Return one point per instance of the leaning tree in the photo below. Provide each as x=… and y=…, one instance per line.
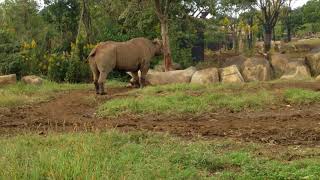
x=162, y=11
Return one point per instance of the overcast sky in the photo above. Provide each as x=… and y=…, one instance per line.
x=297, y=3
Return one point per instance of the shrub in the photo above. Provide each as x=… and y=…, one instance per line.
x=11, y=61
x=12, y=64
x=77, y=71
x=57, y=67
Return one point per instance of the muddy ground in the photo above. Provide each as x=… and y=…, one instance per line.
x=71, y=112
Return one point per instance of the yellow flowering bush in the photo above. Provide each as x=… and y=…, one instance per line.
x=31, y=56
x=57, y=66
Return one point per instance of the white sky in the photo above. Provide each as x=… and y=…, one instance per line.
x=296, y=3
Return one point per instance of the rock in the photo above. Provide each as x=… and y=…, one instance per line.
x=231, y=74
x=297, y=70
x=303, y=47
x=318, y=78
x=160, y=67
x=205, y=76
x=259, y=45
x=277, y=45
x=313, y=61
x=236, y=60
x=257, y=69
x=170, y=77
x=34, y=80
x=289, y=48
x=8, y=79
x=280, y=64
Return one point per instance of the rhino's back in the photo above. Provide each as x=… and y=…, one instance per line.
x=131, y=54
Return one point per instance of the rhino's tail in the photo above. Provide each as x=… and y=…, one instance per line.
x=93, y=52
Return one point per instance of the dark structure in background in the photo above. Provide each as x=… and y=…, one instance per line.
x=198, y=47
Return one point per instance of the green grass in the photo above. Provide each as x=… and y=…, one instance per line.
x=21, y=94
x=186, y=98
x=301, y=96
x=178, y=99
x=115, y=155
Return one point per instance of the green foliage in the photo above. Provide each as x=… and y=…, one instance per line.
x=11, y=61
x=57, y=67
x=311, y=11
x=12, y=64
x=77, y=71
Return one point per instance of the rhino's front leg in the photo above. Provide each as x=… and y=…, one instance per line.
x=135, y=80
x=144, y=71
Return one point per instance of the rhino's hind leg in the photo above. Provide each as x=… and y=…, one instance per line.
x=95, y=81
x=95, y=74
x=101, y=81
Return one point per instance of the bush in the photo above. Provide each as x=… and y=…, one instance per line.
x=12, y=64
x=57, y=67
x=11, y=61
x=77, y=71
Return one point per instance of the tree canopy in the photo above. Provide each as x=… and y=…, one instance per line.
x=64, y=31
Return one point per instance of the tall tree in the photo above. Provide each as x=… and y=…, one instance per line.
x=287, y=11
x=162, y=8
x=270, y=11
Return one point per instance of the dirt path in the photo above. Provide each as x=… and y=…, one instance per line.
x=72, y=112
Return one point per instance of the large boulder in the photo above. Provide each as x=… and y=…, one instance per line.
x=297, y=70
x=231, y=74
x=256, y=69
x=161, y=68
x=259, y=45
x=277, y=45
x=235, y=60
x=8, y=79
x=279, y=63
x=206, y=76
x=171, y=77
x=34, y=80
x=288, y=48
x=313, y=61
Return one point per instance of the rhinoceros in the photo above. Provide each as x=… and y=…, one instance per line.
x=130, y=56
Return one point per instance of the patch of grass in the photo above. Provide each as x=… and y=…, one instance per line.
x=115, y=83
x=301, y=96
x=115, y=155
x=20, y=93
x=179, y=99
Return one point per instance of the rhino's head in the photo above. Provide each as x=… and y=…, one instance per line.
x=158, y=45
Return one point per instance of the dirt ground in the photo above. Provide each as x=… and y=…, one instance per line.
x=70, y=112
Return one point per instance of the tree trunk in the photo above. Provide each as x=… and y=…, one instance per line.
x=166, y=45
x=267, y=39
x=289, y=35
x=161, y=8
x=250, y=34
x=273, y=34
